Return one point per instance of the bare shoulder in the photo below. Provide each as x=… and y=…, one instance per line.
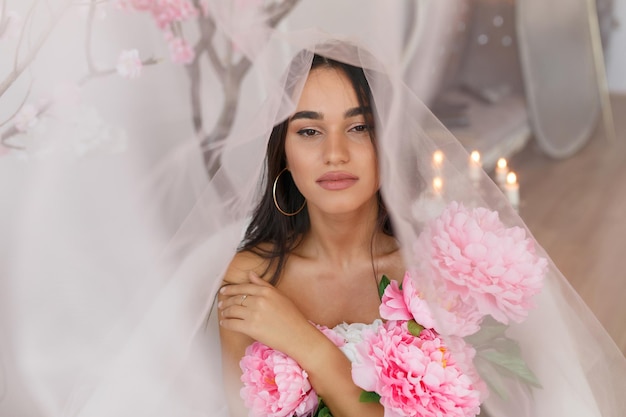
x=242, y=264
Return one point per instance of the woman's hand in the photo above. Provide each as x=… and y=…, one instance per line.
x=262, y=312
x=258, y=311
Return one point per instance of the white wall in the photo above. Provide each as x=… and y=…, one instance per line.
x=616, y=55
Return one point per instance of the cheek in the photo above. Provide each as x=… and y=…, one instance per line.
x=298, y=164
x=371, y=163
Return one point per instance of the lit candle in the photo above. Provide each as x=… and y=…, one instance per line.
x=437, y=185
x=437, y=159
x=501, y=171
x=511, y=189
x=475, y=166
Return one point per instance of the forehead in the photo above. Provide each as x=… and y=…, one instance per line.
x=327, y=89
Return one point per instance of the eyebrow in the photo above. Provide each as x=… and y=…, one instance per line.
x=307, y=114
x=357, y=111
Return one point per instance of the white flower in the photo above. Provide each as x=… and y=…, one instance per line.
x=129, y=64
x=26, y=118
x=353, y=335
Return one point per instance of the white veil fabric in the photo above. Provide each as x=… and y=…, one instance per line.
x=115, y=243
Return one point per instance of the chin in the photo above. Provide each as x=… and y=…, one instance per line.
x=343, y=207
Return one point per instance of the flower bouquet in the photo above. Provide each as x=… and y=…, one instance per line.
x=478, y=274
x=409, y=368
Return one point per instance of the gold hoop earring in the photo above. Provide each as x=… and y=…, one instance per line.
x=276, y=201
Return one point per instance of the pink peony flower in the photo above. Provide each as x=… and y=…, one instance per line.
x=480, y=265
x=274, y=385
x=447, y=316
x=334, y=337
x=464, y=355
x=405, y=304
x=413, y=375
x=129, y=64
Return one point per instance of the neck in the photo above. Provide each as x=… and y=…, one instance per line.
x=341, y=239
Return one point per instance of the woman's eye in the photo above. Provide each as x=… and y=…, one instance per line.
x=361, y=128
x=307, y=132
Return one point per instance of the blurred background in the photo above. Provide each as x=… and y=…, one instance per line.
x=541, y=84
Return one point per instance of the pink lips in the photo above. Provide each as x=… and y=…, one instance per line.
x=337, y=180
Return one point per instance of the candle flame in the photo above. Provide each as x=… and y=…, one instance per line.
x=438, y=157
x=475, y=156
x=501, y=163
x=511, y=178
x=437, y=184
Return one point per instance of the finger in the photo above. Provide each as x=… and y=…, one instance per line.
x=234, y=300
x=235, y=325
x=234, y=312
x=240, y=289
x=257, y=280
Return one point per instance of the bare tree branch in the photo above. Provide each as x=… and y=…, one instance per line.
x=193, y=71
x=21, y=66
x=20, y=106
x=277, y=11
x=4, y=20
x=22, y=32
x=207, y=30
x=12, y=131
x=231, y=77
x=50, y=9
x=91, y=67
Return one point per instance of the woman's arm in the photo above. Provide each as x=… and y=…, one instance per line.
x=234, y=343
x=270, y=317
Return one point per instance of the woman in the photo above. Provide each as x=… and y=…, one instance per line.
x=337, y=244
x=320, y=240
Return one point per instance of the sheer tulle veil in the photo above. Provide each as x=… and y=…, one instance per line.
x=112, y=258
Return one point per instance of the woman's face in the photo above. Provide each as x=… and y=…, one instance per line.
x=329, y=151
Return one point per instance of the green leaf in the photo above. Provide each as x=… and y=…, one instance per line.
x=369, y=397
x=498, y=357
x=513, y=364
x=384, y=282
x=322, y=410
x=492, y=378
x=414, y=328
x=489, y=331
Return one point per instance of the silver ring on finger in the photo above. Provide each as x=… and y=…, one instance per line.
x=243, y=298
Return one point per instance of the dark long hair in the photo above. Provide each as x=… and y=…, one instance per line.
x=273, y=235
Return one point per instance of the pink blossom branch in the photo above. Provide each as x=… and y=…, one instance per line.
x=12, y=131
x=93, y=72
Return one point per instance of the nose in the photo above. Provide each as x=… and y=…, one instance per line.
x=336, y=149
